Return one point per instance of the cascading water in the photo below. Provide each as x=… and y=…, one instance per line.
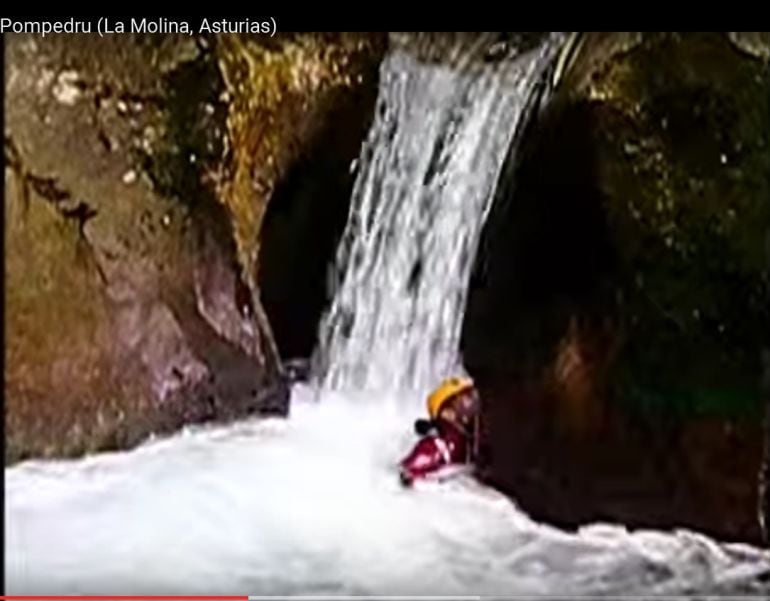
x=312, y=505
x=426, y=178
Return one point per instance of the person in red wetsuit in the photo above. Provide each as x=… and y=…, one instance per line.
x=449, y=436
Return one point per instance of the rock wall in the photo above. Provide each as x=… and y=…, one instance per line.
x=322, y=115
x=122, y=283
x=619, y=306
x=138, y=173
x=138, y=169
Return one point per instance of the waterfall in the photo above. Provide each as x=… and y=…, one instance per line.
x=426, y=177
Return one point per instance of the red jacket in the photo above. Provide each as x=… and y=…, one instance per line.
x=445, y=446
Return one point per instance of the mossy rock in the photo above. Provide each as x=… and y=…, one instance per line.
x=683, y=147
x=125, y=314
x=619, y=308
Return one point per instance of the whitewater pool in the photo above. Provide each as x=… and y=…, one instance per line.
x=312, y=506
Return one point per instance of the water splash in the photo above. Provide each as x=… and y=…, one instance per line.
x=312, y=506
x=427, y=175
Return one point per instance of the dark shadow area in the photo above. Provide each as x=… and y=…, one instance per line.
x=558, y=336
x=544, y=262
x=545, y=250
x=304, y=222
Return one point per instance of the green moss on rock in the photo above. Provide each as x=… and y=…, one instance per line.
x=684, y=155
x=619, y=309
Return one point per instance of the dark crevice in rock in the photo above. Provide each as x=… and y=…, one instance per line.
x=46, y=187
x=49, y=189
x=305, y=220
x=81, y=213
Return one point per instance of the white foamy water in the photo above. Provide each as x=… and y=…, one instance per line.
x=426, y=179
x=312, y=506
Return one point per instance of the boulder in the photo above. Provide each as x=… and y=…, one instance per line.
x=618, y=310
x=126, y=311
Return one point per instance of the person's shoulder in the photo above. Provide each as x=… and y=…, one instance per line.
x=448, y=428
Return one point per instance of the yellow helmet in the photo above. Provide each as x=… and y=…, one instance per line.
x=446, y=390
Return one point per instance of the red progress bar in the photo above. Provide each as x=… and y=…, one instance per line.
x=125, y=597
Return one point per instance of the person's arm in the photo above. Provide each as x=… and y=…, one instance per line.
x=423, y=427
x=473, y=442
x=482, y=453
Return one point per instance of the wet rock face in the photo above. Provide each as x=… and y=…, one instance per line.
x=305, y=219
x=126, y=312
x=466, y=50
x=755, y=43
x=293, y=182
x=279, y=94
x=619, y=309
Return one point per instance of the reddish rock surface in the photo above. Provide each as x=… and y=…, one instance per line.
x=122, y=317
